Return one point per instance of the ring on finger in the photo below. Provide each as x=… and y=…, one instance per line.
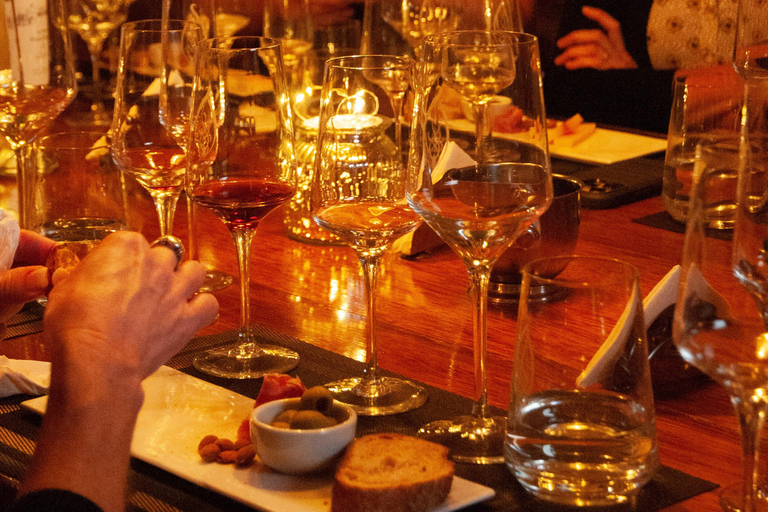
x=172, y=243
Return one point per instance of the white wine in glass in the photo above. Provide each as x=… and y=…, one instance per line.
x=478, y=206
x=358, y=194
x=37, y=77
x=148, y=136
x=241, y=167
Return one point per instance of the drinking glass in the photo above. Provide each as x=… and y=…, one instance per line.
x=581, y=415
x=94, y=21
x=241, y=167
x=416, y=19
x=479, y=207
x=358, y=194
x=720, y=321
x=750, y=55
x=37, y=79
x=290, y=22
x=151, y=117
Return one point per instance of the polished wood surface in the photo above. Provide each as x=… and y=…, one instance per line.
x=315, y=293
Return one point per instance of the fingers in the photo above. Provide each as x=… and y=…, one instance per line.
x=605, y=20
x=33, y=249
x=19, y=286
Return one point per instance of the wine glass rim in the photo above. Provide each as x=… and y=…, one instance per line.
x=158, y=25
x=227, y=44
x=454, y=37
x=356, y=61
x=601, y=262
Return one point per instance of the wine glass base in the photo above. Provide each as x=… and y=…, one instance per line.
x=215, y=280
x=731, y=499
x=227, y=362
x=388, y=395
x=470, y=439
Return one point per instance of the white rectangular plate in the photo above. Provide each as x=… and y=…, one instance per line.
x=602, y=147
x=179, y=410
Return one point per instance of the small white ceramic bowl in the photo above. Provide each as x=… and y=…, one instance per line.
x=299, y=451
x=497, y=106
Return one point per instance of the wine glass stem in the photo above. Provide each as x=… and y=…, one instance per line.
x=94, y=49
x=751, y=414
x=243, y=238
x=165, y=202
x=371, y=264
x=397, y=109
x=23, y=185
x=479, y=111
x=479, y=276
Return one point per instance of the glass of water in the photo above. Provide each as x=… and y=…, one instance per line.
x=581, y=427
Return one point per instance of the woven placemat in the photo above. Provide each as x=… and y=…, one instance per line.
x=154, y=490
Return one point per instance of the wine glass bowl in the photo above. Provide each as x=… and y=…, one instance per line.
x=416, y=19
x=358, y=194
x=720, y=320
x=151, y=115
x=478, y=192
x=240, y=167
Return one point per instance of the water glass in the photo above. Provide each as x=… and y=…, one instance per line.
x=581, y=427
x=705, y=108
x=78, y=191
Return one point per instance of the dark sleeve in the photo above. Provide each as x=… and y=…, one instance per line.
x=54, y=500
x=632, y=98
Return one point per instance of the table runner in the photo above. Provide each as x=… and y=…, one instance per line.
x=154, y=490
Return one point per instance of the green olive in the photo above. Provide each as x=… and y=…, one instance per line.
x=316, y=398
x=284, y=417
x=311, y=420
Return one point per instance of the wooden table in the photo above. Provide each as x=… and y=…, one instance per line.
x=315, y=293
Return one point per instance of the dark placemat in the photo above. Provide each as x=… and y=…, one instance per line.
x=663, y=220
x=27, y=321
x=154, y=490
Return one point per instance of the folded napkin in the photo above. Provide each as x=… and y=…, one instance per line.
x=18, y=376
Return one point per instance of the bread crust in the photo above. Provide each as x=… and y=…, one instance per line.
x=420, y=479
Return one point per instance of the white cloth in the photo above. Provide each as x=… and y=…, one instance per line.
x=24, y=376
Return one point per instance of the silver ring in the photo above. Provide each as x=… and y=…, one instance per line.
x=172, y=243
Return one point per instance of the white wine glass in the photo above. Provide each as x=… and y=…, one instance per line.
x=37, y=78
x=241, y=167
x=148, y=136
x=358, y=194
x=290, y=22
x=721, y=318
x=95, y=21
x=478, y=207
x=416, y=19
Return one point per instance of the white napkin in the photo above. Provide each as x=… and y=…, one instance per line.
x=9, y=239
x=661, y=296
x=23, y=376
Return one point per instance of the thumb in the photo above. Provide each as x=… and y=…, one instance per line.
x=19, y=286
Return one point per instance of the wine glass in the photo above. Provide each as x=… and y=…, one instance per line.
x=358, y=194
x=750, y=52
x=290, y=22
x=37, y=79
x=149, y=128
x=94, y=21
x=241, y=167
x=721, y=318
x=416, y=19
x=478, y=207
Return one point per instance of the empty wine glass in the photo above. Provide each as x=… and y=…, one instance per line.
x=721, y=317
x=479, y=207
x=290, y=22
x=94, y=21
x=151, y=116
x=241, y=166
x=750, y=53
x=416, y=19
x=37, y=79
x=358, y=194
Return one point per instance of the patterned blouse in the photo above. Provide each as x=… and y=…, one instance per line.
x=692, y=33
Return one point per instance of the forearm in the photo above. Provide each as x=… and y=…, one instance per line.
x=86, y=434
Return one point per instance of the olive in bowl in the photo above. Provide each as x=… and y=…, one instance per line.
x=300, y=450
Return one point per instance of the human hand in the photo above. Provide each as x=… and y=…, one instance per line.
x=28, y=279
x=598, y=49
x=125, y=307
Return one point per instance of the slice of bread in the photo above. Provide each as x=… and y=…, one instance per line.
x=392, y=473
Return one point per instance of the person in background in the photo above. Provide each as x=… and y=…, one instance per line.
x=617, y=58
x=123, y=311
